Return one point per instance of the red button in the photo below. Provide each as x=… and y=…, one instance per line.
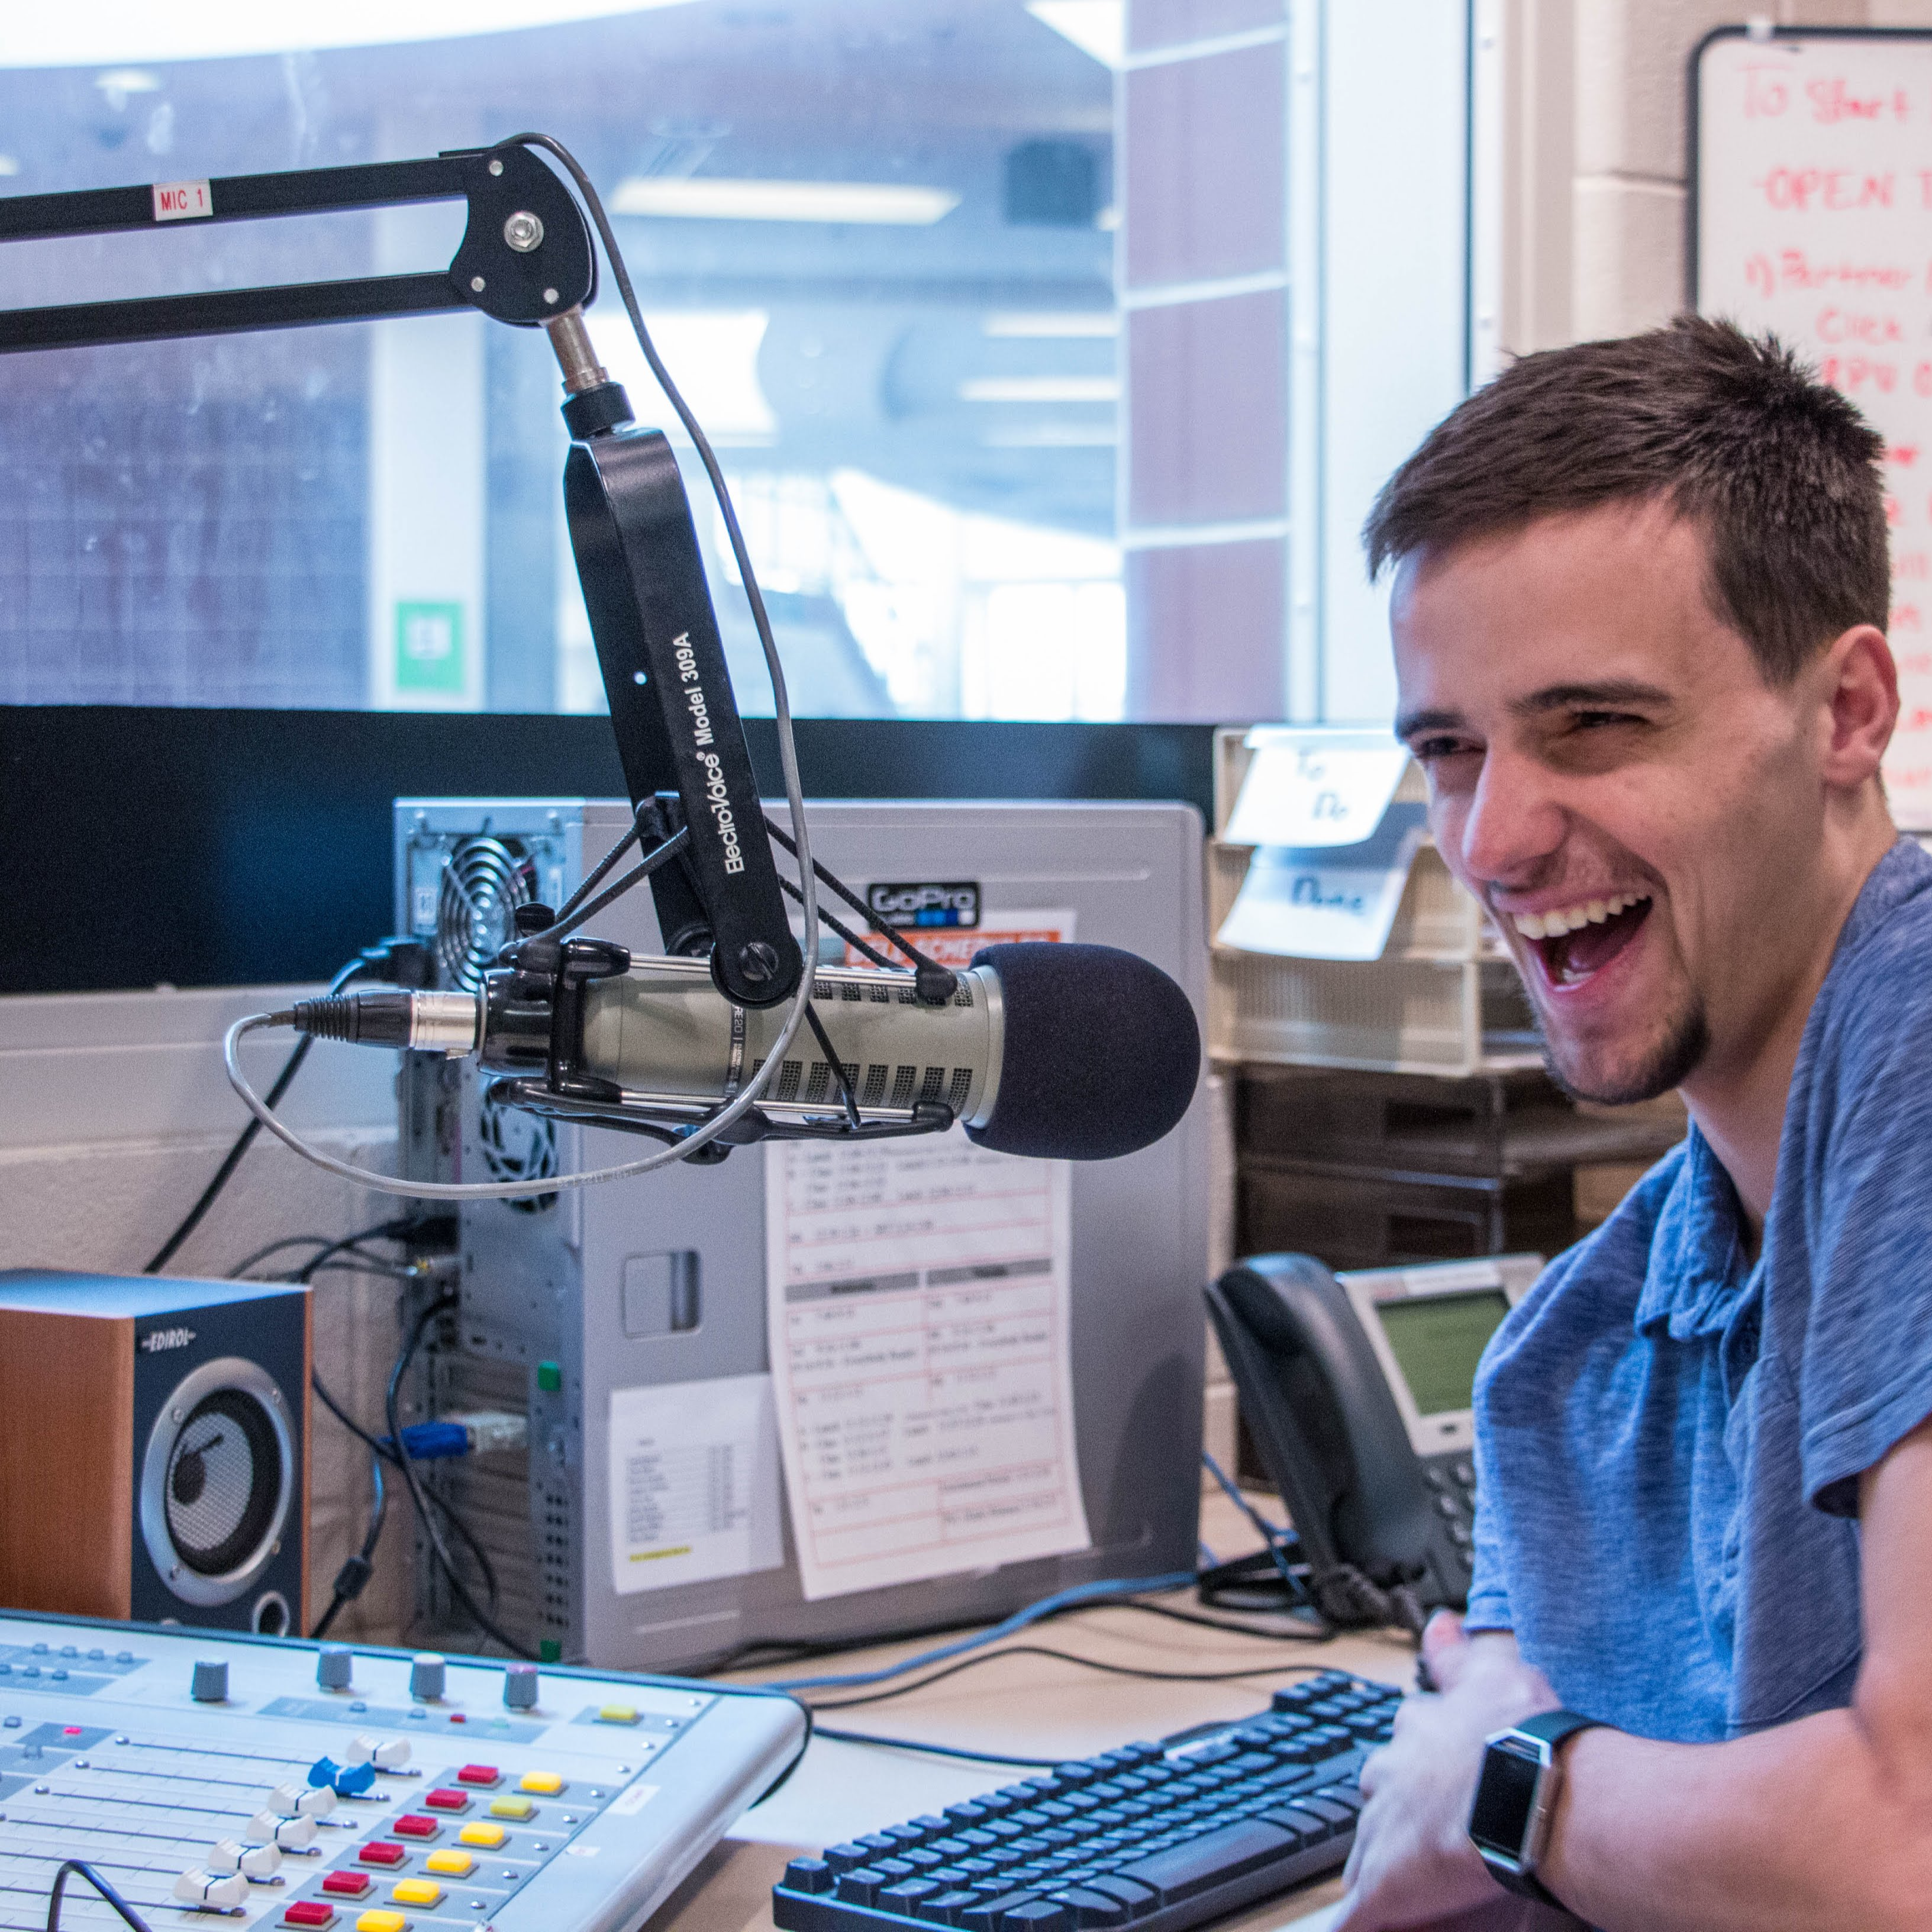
x=345, y=1884
x=456, y=1717
x=446, y=1800
x=412, y=1825
x=309, y=1911
x=380, y=1851
x=479, y=1773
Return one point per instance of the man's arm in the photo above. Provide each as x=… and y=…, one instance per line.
x=1823, y=1824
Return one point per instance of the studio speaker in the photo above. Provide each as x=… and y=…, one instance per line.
x=154, y=1438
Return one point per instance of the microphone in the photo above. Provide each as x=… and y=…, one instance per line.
x=1060, y=1052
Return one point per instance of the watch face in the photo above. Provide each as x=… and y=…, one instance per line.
x=1505, y=1799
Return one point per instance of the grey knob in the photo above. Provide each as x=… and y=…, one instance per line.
x=426, y=1674
x=519, y=1687
x=334, y=1666
x=210, y=1684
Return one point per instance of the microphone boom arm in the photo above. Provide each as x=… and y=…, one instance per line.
x=526, y=259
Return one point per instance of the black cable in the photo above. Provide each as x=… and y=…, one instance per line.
x=588, y=883
x=406, y=1464
x=381, y=1449
x=1277, y=1669
x=936, y=1750
x=847, y=1097
x=242, y=1267
x=353, y=1578
x=852, y=939
x=244, y=1140
x=67, y=1867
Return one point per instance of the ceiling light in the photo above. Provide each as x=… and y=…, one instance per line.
x=1051, y=436
x=104, y=30
x=1041, y=389
x=713, y=198
x=10, y=164
x=712, y=356
x=1095, y=27
x=1071, y=322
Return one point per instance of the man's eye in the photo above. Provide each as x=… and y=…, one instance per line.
x=1430, y=750
x=1599, y=721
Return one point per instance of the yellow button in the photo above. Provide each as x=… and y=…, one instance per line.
x=545, y=1784
x=417, y=1891
x=511, y=1807
x=382, y=1921
x=618, y=1714
x=488, y=1836
x=450, y=1864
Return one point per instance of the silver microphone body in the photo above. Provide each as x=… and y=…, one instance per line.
x=663, y=1034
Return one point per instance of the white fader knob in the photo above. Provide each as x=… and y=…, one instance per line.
x=301, y=1800
x=392, y=1755
x=255, y=1862
x=292, y=1834
x=196, y=1887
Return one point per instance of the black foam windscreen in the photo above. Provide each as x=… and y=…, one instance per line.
x=1101, y=1054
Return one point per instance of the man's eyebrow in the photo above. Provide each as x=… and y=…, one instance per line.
x=1610, y=694
x=1408, y=726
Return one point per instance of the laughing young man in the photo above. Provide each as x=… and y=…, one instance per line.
x=1640, y=594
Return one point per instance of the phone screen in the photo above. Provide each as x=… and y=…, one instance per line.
x=1438, y=1339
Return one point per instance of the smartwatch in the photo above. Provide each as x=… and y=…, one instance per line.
x=1516, y=1797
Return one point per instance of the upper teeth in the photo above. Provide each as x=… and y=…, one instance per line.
x=1570, y=919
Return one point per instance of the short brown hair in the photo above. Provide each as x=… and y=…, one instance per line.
x=1734, y=432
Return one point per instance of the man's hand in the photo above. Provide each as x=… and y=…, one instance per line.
x=1413, y=1863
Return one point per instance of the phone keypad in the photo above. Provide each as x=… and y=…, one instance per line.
x=1452, y=1479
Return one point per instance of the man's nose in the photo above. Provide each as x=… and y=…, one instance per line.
x=1513, y=825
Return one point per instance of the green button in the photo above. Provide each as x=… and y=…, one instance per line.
x=550, y=1377
x=549, y=1650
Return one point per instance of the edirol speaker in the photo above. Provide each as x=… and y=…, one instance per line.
x=154, y=1438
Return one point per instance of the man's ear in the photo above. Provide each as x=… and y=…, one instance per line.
x=1860, y=689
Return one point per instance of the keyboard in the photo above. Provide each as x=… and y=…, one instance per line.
x=1153, y=1836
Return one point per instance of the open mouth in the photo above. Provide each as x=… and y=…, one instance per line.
x=1575, y=941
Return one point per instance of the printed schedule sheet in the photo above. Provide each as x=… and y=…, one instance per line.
x=918, y=1307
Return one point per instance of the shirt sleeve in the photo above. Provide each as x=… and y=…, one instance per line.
x=1489, y=1588
x=1864, y=1372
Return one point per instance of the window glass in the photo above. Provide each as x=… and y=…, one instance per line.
x=874, y=241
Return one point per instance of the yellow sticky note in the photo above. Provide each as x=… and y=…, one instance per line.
x=545, y=1784
x=488, y=1836
x=416, y=1891
x=450, y=1864
x=511, y=1807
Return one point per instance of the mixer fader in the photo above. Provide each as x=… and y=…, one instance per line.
x=281, y=1784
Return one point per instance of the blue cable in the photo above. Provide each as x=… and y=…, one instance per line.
x=1047, y=1606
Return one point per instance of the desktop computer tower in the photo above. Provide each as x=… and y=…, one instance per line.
x=576, y=1307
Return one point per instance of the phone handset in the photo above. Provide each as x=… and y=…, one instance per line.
x=1318, y=1404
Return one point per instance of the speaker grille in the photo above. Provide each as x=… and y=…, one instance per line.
x=224, y=1480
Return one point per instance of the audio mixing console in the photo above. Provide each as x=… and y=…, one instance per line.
x=282, y=1783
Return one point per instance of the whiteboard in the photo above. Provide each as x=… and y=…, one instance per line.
x=1812, y=215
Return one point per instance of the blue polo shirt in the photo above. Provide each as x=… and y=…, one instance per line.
x=1669, y=1439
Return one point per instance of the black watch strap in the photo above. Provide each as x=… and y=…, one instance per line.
x=1550, y=1728
x=1553, y=1727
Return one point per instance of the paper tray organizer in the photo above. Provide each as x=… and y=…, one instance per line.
x=1442, y=998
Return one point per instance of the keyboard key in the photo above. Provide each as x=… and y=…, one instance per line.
x=812, y=1875
x=941, y=1906
x=984, y=1915
x=1212, y=1859
x=1039, y=1915
x=859, y=1885
x=1307, y=1826
x=907, y=1893
x=1137, y=1898
x=844, y=1857
x=1092, y=1908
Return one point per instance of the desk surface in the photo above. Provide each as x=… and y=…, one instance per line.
x=1026, y=1705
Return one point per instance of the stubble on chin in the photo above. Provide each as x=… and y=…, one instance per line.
x=1660, y=1066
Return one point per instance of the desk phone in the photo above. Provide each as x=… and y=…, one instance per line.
x=1357, y=1390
